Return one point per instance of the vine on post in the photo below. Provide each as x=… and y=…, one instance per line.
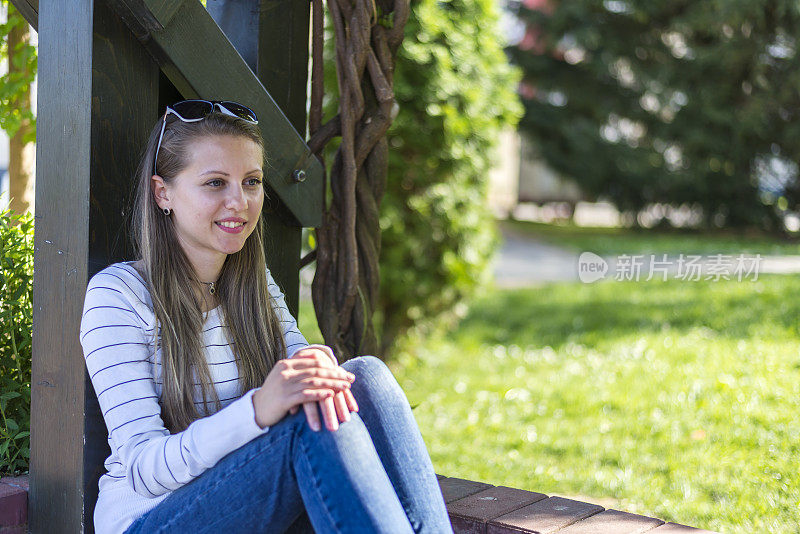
x=368, y=34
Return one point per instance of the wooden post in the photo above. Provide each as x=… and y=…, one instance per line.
x=283, y=55
x=60, y=256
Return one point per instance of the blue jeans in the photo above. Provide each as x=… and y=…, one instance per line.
x=371, y=475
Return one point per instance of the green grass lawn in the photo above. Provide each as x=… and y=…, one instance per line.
x=614, y=241
x=675, y=399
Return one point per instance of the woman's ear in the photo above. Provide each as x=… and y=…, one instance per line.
x=159, y=191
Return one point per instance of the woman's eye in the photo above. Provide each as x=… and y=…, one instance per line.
x=253, y=181
x=214, y=183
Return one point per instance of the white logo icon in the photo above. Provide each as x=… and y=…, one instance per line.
x=591, y=267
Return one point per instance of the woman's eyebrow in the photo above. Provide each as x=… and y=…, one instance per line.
x=223, y=173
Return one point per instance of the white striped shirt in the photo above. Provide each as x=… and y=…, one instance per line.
x=147, y=462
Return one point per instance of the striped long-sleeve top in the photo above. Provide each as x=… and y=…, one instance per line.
x=146, y=461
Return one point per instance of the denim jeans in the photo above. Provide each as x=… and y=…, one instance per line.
x=373, y=474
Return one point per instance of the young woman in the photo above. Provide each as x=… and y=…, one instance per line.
x=221, y=417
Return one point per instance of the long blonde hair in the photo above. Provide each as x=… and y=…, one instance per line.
x=253, y=327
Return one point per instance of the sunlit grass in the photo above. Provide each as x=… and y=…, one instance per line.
x=677, y=399
x=613, y=241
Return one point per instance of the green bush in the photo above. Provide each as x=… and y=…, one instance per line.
x=16, y=312
x=456, y=92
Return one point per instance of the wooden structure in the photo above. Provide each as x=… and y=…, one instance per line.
x=107, y=69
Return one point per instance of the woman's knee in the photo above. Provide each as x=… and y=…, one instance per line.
x=369, y=369
x=364, y=363
x=374, y=379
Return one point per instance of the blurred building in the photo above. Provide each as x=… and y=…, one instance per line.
x=519, y=176
x=539, y=183
x=504, y=175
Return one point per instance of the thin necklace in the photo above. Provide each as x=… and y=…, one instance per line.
x=211, y=286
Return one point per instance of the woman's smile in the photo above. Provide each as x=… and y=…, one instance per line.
x=232, y=225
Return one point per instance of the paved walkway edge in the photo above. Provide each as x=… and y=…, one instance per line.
x=474, y=507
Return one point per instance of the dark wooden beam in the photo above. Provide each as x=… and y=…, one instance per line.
x=283, y=55
x=30, y=10
x=164, y=10
x=283, y=69
x=63, y=163
x=202, y=63
x=238, y=20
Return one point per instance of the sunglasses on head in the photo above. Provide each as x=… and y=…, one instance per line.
x=197, y=110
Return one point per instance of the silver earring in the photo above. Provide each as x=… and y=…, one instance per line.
x=167, y=211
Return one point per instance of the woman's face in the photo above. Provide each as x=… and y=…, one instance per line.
x=217, y=199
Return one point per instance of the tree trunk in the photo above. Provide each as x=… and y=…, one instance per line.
x=22, y=156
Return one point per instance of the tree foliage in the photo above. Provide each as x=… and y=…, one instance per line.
x=674, y=102
x=17, y=81
x=456, y=92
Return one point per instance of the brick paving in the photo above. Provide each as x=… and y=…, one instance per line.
x=474, y=508
x=480, y=508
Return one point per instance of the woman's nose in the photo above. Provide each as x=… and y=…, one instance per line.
x=237, y=199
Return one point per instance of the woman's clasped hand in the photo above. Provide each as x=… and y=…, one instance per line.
x=311, y=379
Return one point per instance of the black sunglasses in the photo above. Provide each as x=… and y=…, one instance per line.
x=197, y=110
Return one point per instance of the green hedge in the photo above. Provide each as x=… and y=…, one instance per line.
x=456, y=93
x=16, y=310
